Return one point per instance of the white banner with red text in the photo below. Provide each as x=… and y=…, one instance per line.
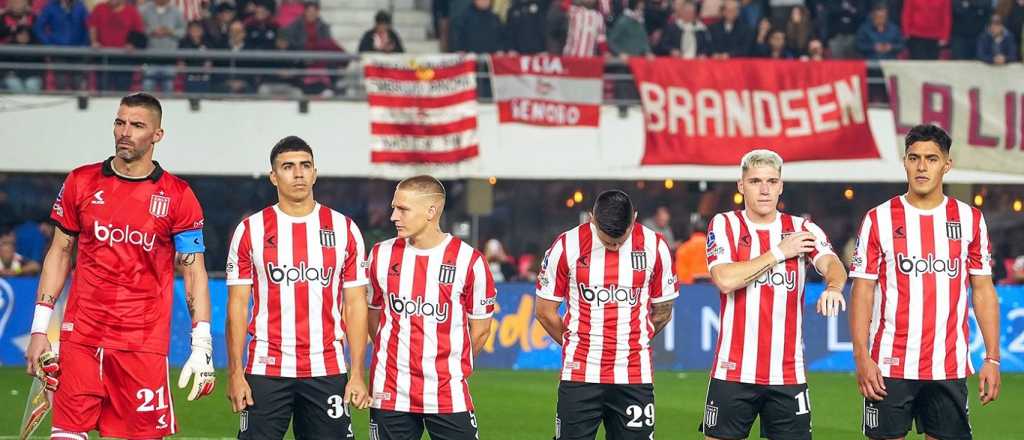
x=712, y=112
x=547, y=91
x=981, y=106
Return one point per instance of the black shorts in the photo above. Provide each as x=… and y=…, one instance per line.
x=395, y=425
x=317, y=404
x=626, y=410
x=731, y=407
x=938, y=406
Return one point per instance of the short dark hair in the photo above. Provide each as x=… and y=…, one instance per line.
x=613, y=212
x=632, y=4
x=382, y=17
x=289, y=143
x=928, y=132
x=145, y=100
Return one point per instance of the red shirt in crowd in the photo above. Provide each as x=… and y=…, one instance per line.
x=113, y=24
x=931, y=19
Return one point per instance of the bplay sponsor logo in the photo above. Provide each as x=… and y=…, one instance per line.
x=112, y=235
x=599, y=295
x=288, y=275
x=419, y=307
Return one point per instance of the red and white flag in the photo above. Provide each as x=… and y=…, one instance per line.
x=548, y=90
x=422, y=108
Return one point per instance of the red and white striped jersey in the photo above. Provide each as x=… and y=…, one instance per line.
x=422, y=352
x=608, y=327
x=921, y=261
x=586, y=32
x=298, y=268
x=760, y=338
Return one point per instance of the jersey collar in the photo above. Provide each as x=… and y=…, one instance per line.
x=108, y=170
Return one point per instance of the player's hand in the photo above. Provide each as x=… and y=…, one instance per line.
x=199, y=364
x=37, y=345
x=796, y=244
x=830, y=302
x=239, y=393
x=988, y=383
x=356, y=393
x=869, y=379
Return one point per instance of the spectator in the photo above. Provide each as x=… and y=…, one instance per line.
x=477, y=30
x=879, y=38
x=799, y=30
x=15, y=16
x=111, y=25
x=192, y=10
x=260, y=29
x=289, y=12
x=685, y=37
x=309, y=31
x=844, y=18
x=656, y=17
x=236, y=82
x=997, y=45
x=195, y=39
x=13, y=264
x=779, y=10
x=285, y=82
x=498, y=261
x=1013, y=11
x=731, y=38
x=23, y=80
x=216, y=28
x=628, y=36
x=969, y=20
x=661, y=222
x=710, y=11
x=165, y=26
x=1016, y=273
x=586, y=30
x=815, y=51
x=63, y=23
x=926, y=24
x=691, y=257
x=33, y=238
x=440, y=21
x=556, y=25
x=764, y=27
x=525, y=29
x=751, y=13
x=776, y=47
x=382, y=38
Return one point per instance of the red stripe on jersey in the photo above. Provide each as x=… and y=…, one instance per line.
x=579, y=372
x=391, y=375
x=882, y=271
x=633, y=366
x=742, y=253
x=723, y=297
x=794, y=309
x=953, y=215
x=899, y=349
x=976, y=247
x=416, y=329
x=330, y=301
x=924, y=369
x=609, y=334
x=300, y=255
x=444, y=345
x=764, y=320
x=274, y=322
x=467, y=346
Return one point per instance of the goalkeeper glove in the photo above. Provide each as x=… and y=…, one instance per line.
x=199, y=363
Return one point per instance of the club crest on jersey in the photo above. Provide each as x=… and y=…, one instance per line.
x=327, y=238
x=953, y=230
x=447, y=274
x=871, y=417
x=159, y=205
x=710, y=416
x=639, y=261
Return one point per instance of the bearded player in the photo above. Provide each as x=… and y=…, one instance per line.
x=133, y=224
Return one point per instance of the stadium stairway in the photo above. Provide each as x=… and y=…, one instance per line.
x=350, y=18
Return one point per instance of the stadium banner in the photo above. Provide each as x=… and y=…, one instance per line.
x=422, y=108
x=548, y=91
x=519, y=342
x=981, y=106
x=711, y=112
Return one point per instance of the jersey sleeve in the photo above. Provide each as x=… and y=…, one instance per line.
x=374, y=291
x=239, y=265
x=718, y=249
x=979, y=252
x=553, y=279
x=355, y=257
x=481, y=294
x=867, y=252
x=65, y=209
x=187, y=227
x=663, y=281
x=822, y=246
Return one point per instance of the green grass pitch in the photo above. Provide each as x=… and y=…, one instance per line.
x=520, y=405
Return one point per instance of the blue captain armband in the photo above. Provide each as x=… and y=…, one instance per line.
x=189, y=242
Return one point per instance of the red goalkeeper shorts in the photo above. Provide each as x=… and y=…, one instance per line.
x=123, y=394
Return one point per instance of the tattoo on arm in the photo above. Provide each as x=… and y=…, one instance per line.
x=186, y=259
x=760, y=271
x=190, y=302
x=49, y=299
x=662, y=312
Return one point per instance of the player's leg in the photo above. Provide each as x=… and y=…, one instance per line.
x=273, y=404
x=629, y=412
x=579, y=410
x=456, y=426
x=138, y=404
x=786, y=413
x=395, y=425
x=730, y=409
x=320, y=409
x=891, y=417
x=942, y=410
x=77, y=401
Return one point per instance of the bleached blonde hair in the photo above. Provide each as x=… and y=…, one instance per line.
x=761, y=157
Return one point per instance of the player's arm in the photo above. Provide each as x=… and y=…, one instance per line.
x=191, y=264
x=56, y=266
x=831, y=300
x=661, y=314
x=479, y=332
x=869, y=376
x=239, y=392
x=732, y=276
x=356, y=325
x=552, y=288
x=547, y=313
x=192, y=267
x=481, y=301
x=986, y=309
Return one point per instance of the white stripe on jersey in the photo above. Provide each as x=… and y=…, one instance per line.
x=262, y=350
